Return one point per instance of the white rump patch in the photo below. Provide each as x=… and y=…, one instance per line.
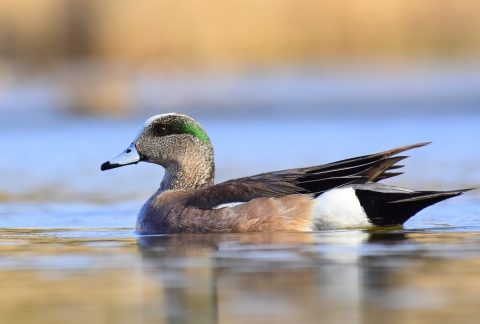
x=228, y=205
x=339, y=208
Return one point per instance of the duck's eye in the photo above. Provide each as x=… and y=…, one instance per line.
x=161, y=130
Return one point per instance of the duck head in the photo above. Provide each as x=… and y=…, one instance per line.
x=179, y=144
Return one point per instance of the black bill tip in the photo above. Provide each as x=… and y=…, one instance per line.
x=107, y=166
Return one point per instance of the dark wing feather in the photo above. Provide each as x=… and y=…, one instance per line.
x=311, y=180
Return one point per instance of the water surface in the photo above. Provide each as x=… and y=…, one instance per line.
x=112, y=276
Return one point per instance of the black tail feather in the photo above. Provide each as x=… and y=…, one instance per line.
x=390, y=208
x=429, y=195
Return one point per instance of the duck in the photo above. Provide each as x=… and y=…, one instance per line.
x=339, y=195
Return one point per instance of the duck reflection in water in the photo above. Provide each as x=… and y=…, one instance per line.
x=285, y=277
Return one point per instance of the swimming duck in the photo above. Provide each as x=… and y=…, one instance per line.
x=342, y=194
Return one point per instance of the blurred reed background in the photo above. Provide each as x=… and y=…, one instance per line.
x=93, y=56
x=236, y=32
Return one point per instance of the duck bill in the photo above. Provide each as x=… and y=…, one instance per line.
x=130, y=156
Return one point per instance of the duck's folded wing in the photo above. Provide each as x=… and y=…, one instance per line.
x=311, y=180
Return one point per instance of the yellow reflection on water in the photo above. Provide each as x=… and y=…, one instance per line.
x=334, y=277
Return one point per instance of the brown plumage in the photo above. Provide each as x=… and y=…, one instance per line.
x=168, y=211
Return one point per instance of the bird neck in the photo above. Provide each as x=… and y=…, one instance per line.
x=193, y=170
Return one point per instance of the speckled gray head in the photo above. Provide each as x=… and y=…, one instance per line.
x=176, y=142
